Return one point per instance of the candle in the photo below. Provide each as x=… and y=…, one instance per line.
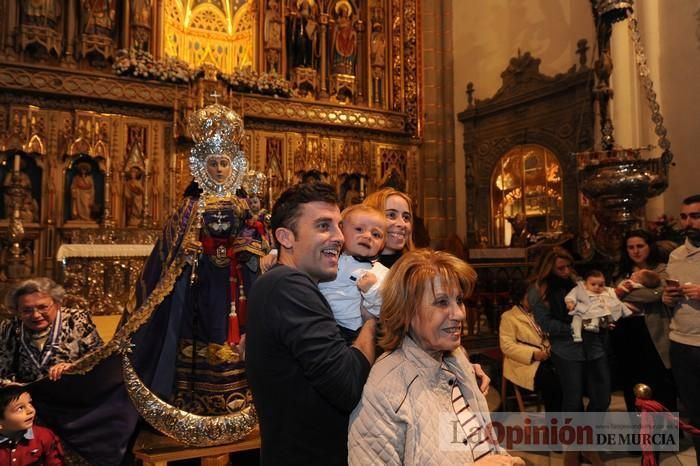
x=362, y=185
x=269, y=188
x=15, y=167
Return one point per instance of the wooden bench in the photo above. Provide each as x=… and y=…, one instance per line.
x=157, y=450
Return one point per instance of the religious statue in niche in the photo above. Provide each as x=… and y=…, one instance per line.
x=377, y=44
x=272, y=35
x=134, y=196
x=98, y=17
x=82, y=192
x=344, y=44
x=141, y=23
x=20, y=196
x=303, y=35
x=41, y=13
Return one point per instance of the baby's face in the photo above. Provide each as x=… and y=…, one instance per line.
x=364, y=234
x=636, y=276
x=595, y=284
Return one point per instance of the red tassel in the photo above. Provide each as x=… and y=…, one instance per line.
x=234, y=333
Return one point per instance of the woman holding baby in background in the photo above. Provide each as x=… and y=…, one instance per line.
x=640, y=341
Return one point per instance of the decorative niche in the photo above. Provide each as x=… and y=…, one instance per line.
x=517, y=149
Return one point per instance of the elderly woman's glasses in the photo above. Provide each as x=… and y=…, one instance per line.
x=42, y=309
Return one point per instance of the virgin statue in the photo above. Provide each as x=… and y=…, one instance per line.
x=176, y=359
x=192, y=291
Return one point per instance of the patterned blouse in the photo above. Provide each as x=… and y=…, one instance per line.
x=72, y=335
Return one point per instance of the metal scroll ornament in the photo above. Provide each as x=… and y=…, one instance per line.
x=188, y=428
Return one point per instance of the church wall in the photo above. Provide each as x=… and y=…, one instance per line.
x=679, y=85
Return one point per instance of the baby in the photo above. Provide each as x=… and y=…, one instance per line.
x=643, y=278
x=21, y=442
x=592, y=305
x=359, y=274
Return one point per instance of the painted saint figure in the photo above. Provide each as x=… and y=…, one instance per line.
x=344, y=40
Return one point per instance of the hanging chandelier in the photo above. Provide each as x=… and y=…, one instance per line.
x=618, y=181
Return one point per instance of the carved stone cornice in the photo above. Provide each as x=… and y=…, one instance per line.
x=92, y=85
x=318, y=113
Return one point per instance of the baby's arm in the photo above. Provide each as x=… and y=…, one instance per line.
x=369, y=285
x=366, y=281
x=570, y=301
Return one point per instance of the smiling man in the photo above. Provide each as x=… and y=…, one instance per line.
x=305, y=379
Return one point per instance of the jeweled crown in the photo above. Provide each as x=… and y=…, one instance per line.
x=216, y=129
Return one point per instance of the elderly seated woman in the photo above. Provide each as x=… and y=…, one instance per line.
x=43, y=339
x=424, y=385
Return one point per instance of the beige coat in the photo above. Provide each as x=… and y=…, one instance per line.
x=519, y=341
x=405, y=416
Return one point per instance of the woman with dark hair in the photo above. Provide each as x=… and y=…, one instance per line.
x=641, y=341
x=527, y=351
x=576, y=363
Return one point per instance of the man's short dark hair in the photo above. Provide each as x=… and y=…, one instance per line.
x=287, y=207
x=9, y=394
x=695, y=198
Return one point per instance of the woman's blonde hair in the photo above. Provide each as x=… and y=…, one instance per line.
x=378, y=200
x=408, y=280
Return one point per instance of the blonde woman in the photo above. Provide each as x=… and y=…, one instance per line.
x=399, y=216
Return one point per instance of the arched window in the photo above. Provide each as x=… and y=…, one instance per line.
x=526, y=190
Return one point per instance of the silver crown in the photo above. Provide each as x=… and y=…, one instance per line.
x=217, y=131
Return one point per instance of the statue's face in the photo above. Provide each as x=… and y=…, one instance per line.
x=254, y=204
x=219, y=168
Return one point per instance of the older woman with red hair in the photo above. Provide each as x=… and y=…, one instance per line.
x=424, y=384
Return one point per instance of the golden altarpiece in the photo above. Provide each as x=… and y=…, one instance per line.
x=94, y=95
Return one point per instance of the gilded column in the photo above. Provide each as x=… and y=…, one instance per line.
x=71, y=18
x=125, y=42
x=359, y=73
x=10, y=26
x=157, y=31
x=324, y=57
